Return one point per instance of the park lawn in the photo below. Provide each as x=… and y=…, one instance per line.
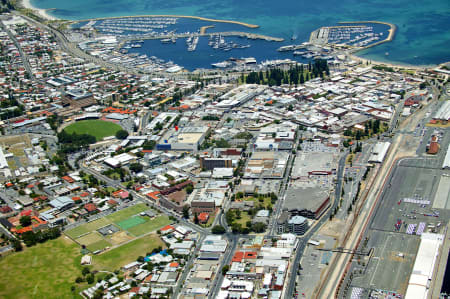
x=96, y=224
x=97, y=128
x=244, y=218
x=267, y=201
x=87, y=227
x=46, y=270
x=127, y=212
x=99, y=245
x=210, y=221
x=127, y=253
x=76, y=232
x=149, y=226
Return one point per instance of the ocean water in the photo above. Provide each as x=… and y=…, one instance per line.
x=423, y=27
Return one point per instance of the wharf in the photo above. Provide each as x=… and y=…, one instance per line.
x=320, y=35
x=186, y=35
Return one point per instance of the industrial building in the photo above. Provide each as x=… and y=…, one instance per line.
x=185, y=139
x=446, y=163
x=310, y=201
x=379, y=152
x=422, y=272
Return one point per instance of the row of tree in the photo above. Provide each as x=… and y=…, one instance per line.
x=71, y=143
x=295, y=75
x=30, y=238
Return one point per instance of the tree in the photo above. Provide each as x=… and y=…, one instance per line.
x=185, y=211
x=218, y=230
x=225, y=269
x=121, y=134
x=189, y=189
x=25, y=221
x=136, y=167
x=79, y=279
x=90, y=279
x=17, y=245
x=85, y=271
x=196, y=218
x=259, y=227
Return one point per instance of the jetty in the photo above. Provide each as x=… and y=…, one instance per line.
x=187, y=35
x=171, y=16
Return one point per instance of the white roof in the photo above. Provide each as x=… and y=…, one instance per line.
x=379, y=152
x=3, y=163
x=423, y=266
x=446, y=163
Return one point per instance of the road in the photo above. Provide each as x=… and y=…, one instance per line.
x=116, y=184
x=290, y=288
x=400, y=148
x=25, y=62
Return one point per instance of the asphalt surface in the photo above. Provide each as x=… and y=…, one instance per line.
x=303, y=241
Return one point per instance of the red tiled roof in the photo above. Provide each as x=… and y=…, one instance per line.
x=251, y=255
x=167, y=227
x=68, y=179
x=238, y=256
x=90, y=207
x=203, y=217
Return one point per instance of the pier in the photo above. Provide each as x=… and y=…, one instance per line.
x=186, y=35
x=172, y=16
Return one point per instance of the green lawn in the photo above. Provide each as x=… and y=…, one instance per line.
x=88, y=227
x=99, y=245
x=131, y=222
x=77, y=231
x=97, y=128
x=266, y=201
x=45, y=270
x=244, y=218
x=127, y=212
x=125, y=254
x=149, y=226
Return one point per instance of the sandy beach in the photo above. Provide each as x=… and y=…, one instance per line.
x=41, y=12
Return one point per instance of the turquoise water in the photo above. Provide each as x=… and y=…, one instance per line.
x=423, y=35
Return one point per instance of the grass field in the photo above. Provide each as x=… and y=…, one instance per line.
x=150, y=225
x=45, y=270
x=99, y=245
x=97, y=128
x=88, y=227
x=89, y=238
x=130, y=222
x=265, y=203
x=244, y=218
x=127, y=212
x=125, y=254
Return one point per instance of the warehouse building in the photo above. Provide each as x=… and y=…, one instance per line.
x=379, y=152
x=310, y=201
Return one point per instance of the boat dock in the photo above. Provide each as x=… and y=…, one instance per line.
x=187, y=35
x=324, y=35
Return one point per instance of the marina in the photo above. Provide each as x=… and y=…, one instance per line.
x=133, y=41
x=359, y=35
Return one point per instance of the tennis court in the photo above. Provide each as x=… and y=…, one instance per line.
x=130, y=222
x=122, y=215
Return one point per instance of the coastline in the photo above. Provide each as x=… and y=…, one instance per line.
x=354, y=56
x=43, y=13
